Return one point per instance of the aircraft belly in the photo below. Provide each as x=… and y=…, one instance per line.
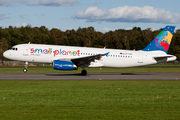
x=127, y=62
x=95, y=64
x=118, y=63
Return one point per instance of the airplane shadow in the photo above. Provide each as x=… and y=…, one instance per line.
x=78, y=74
x=71, y=74
x=136, y=74
x=121, y=73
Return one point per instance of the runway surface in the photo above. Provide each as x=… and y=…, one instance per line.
x=92, y=76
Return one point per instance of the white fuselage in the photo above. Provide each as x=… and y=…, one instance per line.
x=116, y=58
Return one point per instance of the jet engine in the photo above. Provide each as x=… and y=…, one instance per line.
x=64, y=65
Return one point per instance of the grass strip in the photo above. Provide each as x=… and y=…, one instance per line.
x=103, y=100
x=93, y=70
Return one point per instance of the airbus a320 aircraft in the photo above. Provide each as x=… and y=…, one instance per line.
x=70, y=58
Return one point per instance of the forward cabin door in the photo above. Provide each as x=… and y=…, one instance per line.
x=26, y=50
x=140, y=58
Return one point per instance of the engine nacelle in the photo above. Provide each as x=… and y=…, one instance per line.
x=63, y=65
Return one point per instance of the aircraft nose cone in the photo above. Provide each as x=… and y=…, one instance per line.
x=6, y=54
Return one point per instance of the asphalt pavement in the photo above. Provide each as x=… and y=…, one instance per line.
x=91, y=76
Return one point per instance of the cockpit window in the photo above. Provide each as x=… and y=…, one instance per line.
x=14, y=49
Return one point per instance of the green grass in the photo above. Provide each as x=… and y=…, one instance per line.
x=83, y=100
x=147, y=69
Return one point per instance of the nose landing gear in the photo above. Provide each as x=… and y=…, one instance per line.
x=25, y=69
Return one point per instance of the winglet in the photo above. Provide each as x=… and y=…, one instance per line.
x=162, y=40
x=106, y=54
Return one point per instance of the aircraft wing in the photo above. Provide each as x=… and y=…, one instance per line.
x=85, y=61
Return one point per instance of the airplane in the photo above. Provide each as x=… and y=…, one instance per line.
x=71, y=58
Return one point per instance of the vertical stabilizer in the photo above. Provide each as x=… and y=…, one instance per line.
x=162, y=40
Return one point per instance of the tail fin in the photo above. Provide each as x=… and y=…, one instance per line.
x=162, y=40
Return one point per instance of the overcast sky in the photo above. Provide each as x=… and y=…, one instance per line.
x=103, y=15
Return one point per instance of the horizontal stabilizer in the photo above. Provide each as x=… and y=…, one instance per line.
x=164, y=58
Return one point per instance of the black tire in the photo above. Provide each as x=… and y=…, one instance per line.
x=24, y=70
x=84, y=72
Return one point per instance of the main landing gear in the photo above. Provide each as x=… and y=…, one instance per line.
x=25, y=69
x=84, y=72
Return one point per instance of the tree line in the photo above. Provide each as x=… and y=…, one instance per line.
x=85, y=37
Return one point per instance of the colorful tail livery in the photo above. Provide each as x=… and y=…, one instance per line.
x=162, y=40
